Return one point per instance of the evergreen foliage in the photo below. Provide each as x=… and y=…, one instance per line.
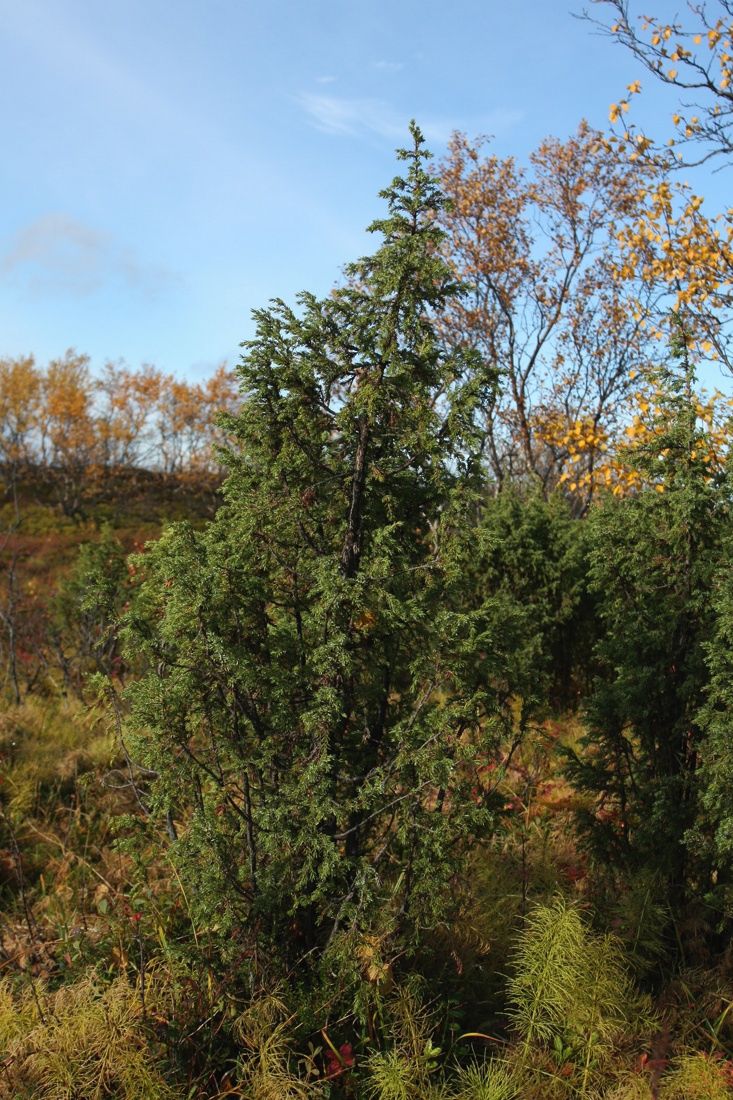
x=321, y=678
x=87, y=607
x=653, y=556
x=531, y=550
x=326, y=844
x=713, y=832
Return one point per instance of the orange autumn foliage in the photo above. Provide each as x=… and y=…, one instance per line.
x=694, y=55
x=537, y=247
x=20, y=400
x=615, y=469
x=683, y=256
x=79, y=427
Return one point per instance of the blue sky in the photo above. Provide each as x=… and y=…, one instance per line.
x=169, y=166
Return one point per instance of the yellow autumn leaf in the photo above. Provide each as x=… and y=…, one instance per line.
x=365, y=621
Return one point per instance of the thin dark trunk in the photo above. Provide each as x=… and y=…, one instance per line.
x=351, y=551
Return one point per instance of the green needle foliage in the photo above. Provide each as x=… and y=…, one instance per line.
x=713, y=830
x=653, y=557
x=533, y=553
x=321, y=681
x=87, y=607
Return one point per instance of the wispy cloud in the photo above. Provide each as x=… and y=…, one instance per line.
x=325, y=80
x=352, y=117
x=389, y=66
x=340, y=115
x=59, y=253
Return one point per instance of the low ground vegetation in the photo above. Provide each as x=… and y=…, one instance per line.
x=386, y=776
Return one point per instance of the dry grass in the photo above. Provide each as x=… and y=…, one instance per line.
x=83, y=1042
x=266, y=1072
x=47, y=743
x=697, y=1077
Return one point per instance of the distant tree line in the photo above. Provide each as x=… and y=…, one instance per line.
x=78, y=429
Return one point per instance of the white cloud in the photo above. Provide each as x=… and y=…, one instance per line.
x=351, y=117
x=389, y=66
x=325, y=80
x=344, y=116
x=58, y=252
